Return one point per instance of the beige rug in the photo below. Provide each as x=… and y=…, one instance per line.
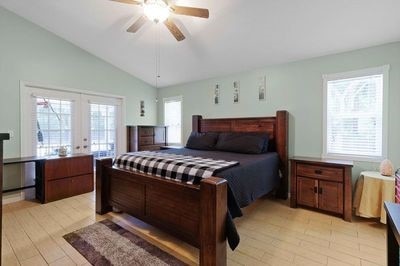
x=106, y=243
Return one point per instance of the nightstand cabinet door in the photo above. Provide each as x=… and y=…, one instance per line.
x=306, y=188
x=330, y=196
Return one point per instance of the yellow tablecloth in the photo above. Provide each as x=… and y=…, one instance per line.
x=372, y=189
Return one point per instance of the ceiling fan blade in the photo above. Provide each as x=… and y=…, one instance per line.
x=137, y=25
x=133, y=2
x=191, y=11
x=174, y=30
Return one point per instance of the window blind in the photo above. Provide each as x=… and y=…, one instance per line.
x=354, y=116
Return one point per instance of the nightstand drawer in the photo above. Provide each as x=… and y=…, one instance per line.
x=320, y=172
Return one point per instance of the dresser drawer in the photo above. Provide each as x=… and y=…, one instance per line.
x=150, y=148
x=320, y=172
x=146, y=131
x=68, y=166
x=146, y=141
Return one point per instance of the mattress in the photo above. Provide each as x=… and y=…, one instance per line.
x=255, y=176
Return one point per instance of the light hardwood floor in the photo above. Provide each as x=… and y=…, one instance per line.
x=271, y=234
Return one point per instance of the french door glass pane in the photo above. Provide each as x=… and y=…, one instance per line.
x=53, y=126
x=102, y=130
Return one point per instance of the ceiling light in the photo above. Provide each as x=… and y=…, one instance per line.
x=156, y=10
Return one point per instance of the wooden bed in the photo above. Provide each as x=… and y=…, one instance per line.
x=195, y=214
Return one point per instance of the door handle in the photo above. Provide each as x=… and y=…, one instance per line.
x=315, y=190
x=320, y=190
x=318, y=172
x=85, y=147
x=77, y=147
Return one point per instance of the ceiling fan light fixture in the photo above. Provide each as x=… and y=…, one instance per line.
x=156, y=10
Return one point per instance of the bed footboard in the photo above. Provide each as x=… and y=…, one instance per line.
x=196, y=215
x=213, y=205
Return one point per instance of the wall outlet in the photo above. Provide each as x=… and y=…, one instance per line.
x=11, y=133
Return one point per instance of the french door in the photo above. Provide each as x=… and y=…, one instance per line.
x=54, y=119
x=102, y=125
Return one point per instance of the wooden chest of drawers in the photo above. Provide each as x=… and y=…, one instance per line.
x=141, y=138
x=68, y=176
x=321, y=184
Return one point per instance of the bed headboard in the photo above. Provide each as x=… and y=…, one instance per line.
x=276, y=127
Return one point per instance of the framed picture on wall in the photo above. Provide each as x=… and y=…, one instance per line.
x=262, y=88
x=141, y=108
x=216, y=94
x=236, y=91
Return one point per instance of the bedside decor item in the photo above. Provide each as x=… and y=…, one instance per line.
x=236, y=91
x=261, y=88
x=93, y=242
x=62, y=151
x=386, y=168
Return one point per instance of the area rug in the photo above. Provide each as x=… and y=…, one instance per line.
x=106, y=243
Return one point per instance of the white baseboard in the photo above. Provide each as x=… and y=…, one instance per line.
x=7, y=199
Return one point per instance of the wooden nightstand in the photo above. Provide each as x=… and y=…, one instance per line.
x=321, y=184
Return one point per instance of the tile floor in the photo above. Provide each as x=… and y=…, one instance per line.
x=271, y=234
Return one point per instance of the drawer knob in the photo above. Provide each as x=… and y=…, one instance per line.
x=318, y=172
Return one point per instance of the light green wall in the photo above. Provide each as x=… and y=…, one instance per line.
x=30, y=53
x=296, y=87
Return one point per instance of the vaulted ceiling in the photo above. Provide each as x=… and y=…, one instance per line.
x=240, y=35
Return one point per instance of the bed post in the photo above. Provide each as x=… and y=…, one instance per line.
x=102, y=185
x=213, y=213
x=196, y=123
x=282, y=126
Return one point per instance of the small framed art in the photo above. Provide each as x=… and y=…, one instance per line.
x=236, y=91
x=216, y=94
x=262, y=88
x=142, y=108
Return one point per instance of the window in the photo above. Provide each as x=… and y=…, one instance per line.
x=354, y=120
x=53, y=126
x=173, y=119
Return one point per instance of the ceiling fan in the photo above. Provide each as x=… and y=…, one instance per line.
x=159, y=11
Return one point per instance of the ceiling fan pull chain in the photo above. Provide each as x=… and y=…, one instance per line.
x=157, y=52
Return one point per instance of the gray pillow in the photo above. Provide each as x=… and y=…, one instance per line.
x=243, y=142
x=202, y=141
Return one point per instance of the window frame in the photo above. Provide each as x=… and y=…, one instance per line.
x=382, y=70
x=174, y=99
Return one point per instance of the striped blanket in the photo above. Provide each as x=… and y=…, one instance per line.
x=176, y=167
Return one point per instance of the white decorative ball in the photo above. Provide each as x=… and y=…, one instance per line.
x=386, y=168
